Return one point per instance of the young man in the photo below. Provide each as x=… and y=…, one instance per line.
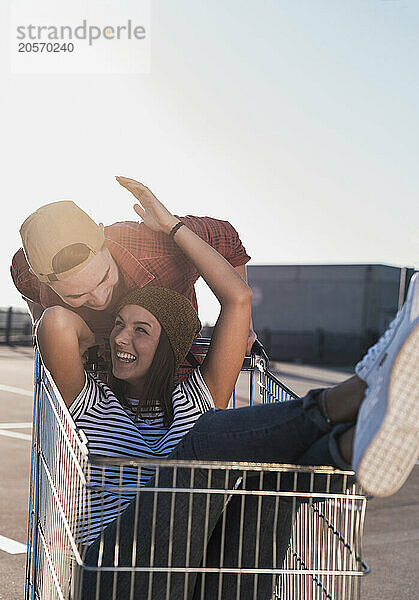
x=69, y=260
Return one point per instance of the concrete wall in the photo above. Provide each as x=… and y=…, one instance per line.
x=324, y=313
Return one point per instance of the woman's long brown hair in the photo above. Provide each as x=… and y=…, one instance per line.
x=158, y=387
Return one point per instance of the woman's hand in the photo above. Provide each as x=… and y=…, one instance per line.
x=153, y=213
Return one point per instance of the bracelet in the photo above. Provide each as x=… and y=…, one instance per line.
x=322, y=402
x=175, y=228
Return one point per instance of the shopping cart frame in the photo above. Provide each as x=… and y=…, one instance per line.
x=292, y=574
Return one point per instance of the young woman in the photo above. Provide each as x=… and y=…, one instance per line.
x=146, y=415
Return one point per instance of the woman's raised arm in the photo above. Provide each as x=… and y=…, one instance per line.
x=62, y=338
x=228, y=345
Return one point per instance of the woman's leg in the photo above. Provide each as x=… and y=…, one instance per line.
x=173, y=528
x=270, y=518
x=277, y=432
x=252, y=533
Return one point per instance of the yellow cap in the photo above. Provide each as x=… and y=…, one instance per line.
x=53, y=227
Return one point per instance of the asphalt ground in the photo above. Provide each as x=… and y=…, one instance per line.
x=392, y=524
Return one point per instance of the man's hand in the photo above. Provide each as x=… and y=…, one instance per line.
x=154, y=214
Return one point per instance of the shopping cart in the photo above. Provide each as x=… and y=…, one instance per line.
x=323, y=552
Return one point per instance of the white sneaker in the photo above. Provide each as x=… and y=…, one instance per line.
x=386, y=442
x=368, y=367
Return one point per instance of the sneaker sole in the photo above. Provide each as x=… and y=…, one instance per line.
x=387, y=462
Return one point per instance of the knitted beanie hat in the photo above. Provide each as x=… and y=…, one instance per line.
x=173, y=311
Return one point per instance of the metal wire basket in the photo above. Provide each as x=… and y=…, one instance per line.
x=319, y=513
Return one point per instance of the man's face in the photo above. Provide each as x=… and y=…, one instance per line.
x=93, y=286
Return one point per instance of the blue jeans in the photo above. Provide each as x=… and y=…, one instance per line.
x=291, y=432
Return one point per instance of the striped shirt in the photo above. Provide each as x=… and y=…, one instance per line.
x=113, y=430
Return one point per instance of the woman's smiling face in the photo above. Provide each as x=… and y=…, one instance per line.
x=133, y=340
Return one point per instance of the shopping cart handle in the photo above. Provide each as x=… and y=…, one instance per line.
x=258, y=350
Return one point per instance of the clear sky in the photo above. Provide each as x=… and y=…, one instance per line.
x=297, y=120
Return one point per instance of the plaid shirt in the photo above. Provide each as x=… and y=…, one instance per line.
x=143, y=257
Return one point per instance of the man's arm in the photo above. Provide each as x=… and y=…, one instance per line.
x=222, y=236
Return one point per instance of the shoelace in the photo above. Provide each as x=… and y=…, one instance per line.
x=376, y=349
